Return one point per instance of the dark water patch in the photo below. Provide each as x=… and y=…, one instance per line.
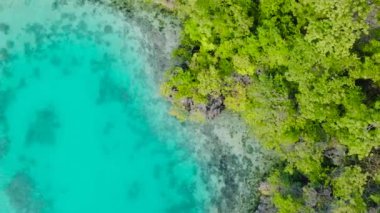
x=157, y=172
x=4, y=146
x=4, y=28
x=36, y=29
x=36, y=73
x=69, y=16
x=56, y=61
x=4, y=54
x=6, y=96
x=22, y=83
x=42, y=129
x=134, y=190
x=82, y=26
x=108, y=29
x=111, y=92
x=67, y=27
x=28, y=49
x=22, y=194
x=102, y=64
x=10, y=44
x=26, y=161
x=108, y=127
x=5, y=99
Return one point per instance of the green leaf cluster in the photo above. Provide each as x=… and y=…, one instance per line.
x=305, y=76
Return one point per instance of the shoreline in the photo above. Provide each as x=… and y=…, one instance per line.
x=234, y=162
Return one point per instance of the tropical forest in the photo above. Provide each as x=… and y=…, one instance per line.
x=305, y=76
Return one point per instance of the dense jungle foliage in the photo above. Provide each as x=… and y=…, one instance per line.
x=305, y=76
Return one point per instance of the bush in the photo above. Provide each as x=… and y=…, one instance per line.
x=302, y=76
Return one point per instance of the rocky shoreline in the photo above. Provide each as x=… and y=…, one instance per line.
x=234, y=163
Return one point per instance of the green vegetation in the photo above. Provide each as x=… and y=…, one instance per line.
x=305, y=76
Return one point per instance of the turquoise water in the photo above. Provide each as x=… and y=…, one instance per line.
x=82, y=126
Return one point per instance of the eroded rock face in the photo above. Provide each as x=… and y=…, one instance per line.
x=266, y=205
x=215, y=107
x=170, y=4
x=188, y=103
x=336, y=154
x=243, y=79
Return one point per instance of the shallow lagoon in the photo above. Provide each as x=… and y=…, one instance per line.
x=83, y=128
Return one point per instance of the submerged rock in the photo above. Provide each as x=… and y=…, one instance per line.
x=266, y=205
x=4, y=146
x=42, y=130
x=4, y=55
x=235, y=163
x=4, y=28
x=22, y=195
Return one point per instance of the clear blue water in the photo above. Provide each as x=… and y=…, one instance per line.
x=82, y=126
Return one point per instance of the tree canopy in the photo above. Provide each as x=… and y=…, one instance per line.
x=305, y=76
